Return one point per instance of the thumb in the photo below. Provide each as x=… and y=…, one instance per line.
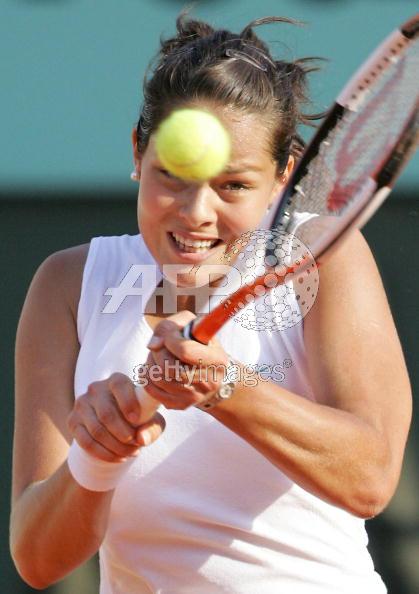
x=155, y=343
x=172, y=324
x=150, y=431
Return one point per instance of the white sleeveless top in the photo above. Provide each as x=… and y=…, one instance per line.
x=201, y=511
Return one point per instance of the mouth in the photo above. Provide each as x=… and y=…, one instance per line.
x=193, y=246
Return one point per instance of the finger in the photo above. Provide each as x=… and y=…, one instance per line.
x=123, y=391
x=101, y=434
x=73, y=420
x=175, y=322
x=95, y=449
x=150, y=431
x=193, y=352
x=179, y=400
x=110, y=417
x=162, y=366
x=163, y=369
x=104, y=403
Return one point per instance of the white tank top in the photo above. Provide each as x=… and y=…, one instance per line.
x=201, y=511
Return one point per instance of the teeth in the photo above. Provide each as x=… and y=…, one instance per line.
x=193, y=244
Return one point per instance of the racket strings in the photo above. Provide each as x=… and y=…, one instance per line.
x=361, y=139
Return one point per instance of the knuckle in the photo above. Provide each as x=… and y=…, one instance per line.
x=82, y=437
x=97, y=432
x=71, y=422
x=106, y=416
x=117, y=380
x=93, y=389
x=129, y=409
x=79, y=404
x=165, y=326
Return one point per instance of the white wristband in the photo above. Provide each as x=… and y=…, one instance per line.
x=94, y=474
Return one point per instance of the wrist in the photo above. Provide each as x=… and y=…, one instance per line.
x=92, y=473
x=227, y=388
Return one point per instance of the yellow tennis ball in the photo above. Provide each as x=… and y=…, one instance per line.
x=192, y=144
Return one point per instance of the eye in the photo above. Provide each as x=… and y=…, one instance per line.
x=235, y=186
x=167, y=174
x=170, y=179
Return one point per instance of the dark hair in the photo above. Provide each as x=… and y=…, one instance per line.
x=232, y=70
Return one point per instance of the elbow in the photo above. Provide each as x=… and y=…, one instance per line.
x=370, y=497
x=31, y=564
x=367, y=506
x=27, y=570
x=40, y=570
x=24, y=558
x=33, y=581
x=373, y=483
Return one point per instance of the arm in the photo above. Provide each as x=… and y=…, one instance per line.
x=44, y=544
x=55, y=523
x=347, y=446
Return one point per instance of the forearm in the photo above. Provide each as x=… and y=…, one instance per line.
x=55, y=526
x=329, y=452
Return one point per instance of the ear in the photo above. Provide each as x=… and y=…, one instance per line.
x=136, y=155
x=286, y=174
x=282, y=179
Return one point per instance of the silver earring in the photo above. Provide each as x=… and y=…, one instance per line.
x=134, y=176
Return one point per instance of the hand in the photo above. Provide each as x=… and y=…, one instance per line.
x=182, y=372
x=104, y=420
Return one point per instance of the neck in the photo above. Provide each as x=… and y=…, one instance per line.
x=175, y=299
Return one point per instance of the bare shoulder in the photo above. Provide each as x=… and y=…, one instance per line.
x=351, y=260
x=64, y=271
x=54, y=293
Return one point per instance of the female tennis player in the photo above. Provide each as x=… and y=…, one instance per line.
x=259, y=485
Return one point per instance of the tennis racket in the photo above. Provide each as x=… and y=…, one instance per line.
x=345, y=174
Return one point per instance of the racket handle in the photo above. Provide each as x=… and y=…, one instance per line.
x=192, y=331
x=148, y=405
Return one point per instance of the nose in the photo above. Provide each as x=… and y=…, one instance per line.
x=199, y=206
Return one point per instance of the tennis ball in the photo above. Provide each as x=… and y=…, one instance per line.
x=192, y=144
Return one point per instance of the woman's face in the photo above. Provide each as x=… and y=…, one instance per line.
x=216, y=212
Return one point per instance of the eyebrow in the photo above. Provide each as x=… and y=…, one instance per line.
x=242, y=168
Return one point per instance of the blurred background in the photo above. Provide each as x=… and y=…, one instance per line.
x=71, y=77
